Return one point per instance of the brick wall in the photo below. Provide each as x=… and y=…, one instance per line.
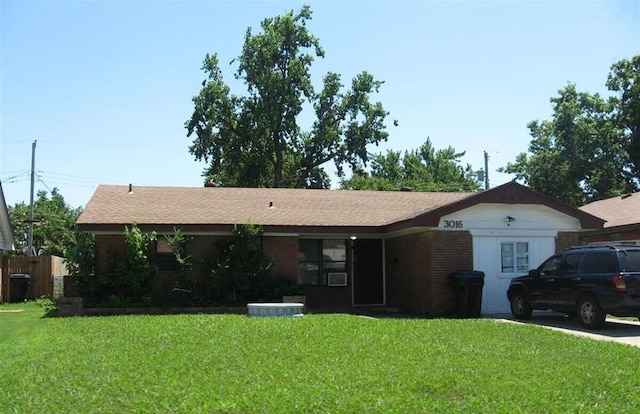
x=418, y=268
x=283, y=252
x=613, y=236
x=450, y=251
x=566, y=239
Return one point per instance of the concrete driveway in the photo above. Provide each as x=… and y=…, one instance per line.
x=616, y=330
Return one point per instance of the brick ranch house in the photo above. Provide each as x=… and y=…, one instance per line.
x=354, y=248
x=622, y=216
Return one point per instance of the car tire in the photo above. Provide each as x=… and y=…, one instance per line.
x=520, y=308
x=590, y=313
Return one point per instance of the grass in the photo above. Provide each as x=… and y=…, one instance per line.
x=317, y=363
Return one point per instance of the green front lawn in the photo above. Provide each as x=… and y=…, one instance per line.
x=316, y=363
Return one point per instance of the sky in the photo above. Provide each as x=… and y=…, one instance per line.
x=105, y=87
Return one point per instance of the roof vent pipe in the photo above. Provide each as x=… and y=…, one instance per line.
x=130, y=188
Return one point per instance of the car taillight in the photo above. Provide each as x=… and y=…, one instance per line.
x=619, y=283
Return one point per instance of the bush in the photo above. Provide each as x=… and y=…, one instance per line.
x=46, y=303
x=239, y=275
x=126, y=280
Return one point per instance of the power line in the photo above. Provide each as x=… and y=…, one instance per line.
x=13, y=179
x=43, y=183
x=64, y=179
x=68, y=183
x=68, y=178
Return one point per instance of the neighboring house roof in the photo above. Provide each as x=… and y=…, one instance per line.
x=6, y=231
x=280, y=209
x=616, y=211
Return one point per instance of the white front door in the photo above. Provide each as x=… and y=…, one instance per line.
x=503, y=257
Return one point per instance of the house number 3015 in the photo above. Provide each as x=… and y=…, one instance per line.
x=453, y=224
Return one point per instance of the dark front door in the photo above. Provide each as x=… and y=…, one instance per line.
x=367, y=272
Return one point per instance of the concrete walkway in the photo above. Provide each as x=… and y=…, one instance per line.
x=616, y=330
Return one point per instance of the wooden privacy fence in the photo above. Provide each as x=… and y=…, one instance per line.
x=45, y=272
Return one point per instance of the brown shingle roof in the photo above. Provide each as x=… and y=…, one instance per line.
x=291, y=207
x=617, y=211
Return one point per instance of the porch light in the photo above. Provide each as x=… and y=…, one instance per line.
x=353, y=237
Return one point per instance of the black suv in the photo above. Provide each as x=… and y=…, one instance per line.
x=587, y=281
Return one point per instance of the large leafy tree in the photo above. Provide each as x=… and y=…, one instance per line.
x=586, y=151
x=54, y=229
x=422, y=169
x=624, y=79
x=256, y=140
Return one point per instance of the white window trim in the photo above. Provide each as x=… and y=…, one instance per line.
x=513, y=241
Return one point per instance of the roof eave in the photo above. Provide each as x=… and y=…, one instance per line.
x=118, y=228
x=624, y=228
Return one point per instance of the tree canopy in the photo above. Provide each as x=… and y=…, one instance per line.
x=256, y=140
x=54, y=229
x=590, y=148
x=624, y=79
x=421, y=169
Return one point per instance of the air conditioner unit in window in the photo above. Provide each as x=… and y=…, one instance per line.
x=337, y=279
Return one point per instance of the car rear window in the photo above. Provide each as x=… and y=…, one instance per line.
x=629, y=260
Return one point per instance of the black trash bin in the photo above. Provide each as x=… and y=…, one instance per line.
x=19, y=287
x=468, y=285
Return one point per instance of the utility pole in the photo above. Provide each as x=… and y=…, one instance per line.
x=33, y=175
x=486, y=170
